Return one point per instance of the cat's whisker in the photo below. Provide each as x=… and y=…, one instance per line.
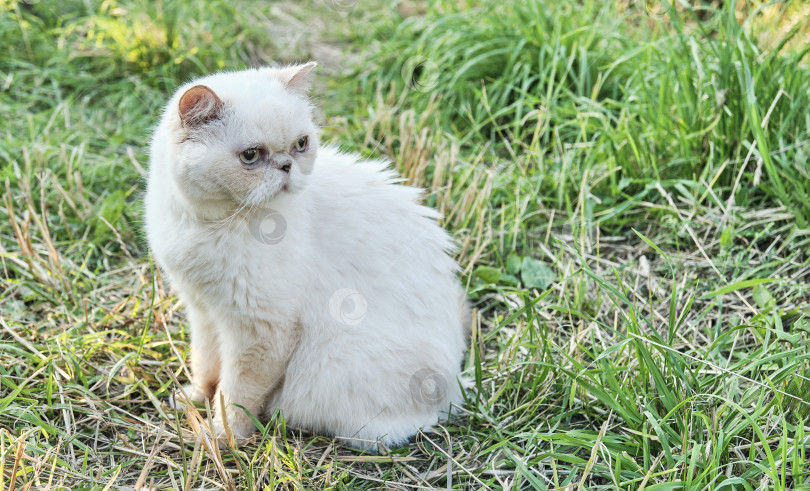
x=250, y=202
x=224, y=223
x=246, y=202
x=229, y=217
x=248, y=217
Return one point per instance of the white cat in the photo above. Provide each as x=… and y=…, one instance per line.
x=313, y=282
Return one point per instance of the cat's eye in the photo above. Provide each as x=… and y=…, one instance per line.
x=249, y=156
x=302, y=143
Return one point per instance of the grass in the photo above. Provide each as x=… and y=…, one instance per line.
x=627, y=182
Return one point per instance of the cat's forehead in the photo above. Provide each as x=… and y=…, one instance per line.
x=244, y=84
x=262, y=108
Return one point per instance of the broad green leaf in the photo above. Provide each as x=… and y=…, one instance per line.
x=509, y=279
x=763, y=298
x=513, y=264
x=727, y=237
x=488, y=274
x=536, y=274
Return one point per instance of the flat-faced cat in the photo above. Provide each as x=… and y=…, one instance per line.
x=313, y=282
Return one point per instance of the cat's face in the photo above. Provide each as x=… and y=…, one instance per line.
x=242, y=138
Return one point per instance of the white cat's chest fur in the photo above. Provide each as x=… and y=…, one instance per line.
x=226, y=264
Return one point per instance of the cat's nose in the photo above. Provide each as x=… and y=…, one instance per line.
x=281, y=162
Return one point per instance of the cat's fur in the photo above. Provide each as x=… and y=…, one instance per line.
x=313, y=282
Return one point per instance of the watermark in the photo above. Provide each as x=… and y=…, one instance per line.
x=268, y=227
x=420, y=73
x=340, y=5
x=428, y=387
x=657, y=8
x=348, y=306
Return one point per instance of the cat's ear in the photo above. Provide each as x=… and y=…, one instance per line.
x=296, y=78
x=199, y=105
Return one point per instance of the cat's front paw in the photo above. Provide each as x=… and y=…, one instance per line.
x=240, y=426
x=188, y=395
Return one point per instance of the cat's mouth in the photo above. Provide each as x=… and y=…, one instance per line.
x=284, y=173
x=277, y=180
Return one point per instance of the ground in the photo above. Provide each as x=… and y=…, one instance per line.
x=627, y=182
